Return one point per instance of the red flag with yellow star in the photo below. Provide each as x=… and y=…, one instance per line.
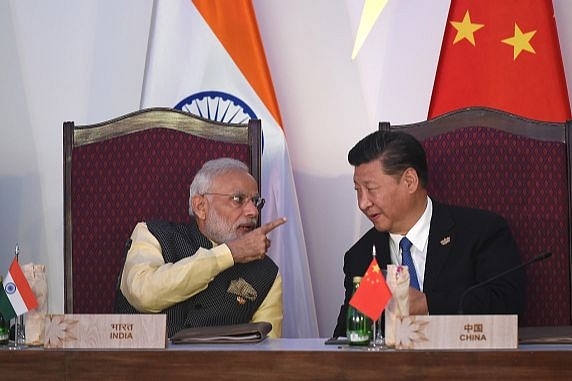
x=502, y=54
x=372, y=295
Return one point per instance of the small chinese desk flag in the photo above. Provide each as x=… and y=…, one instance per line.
x=373, y=294
x=16, y=296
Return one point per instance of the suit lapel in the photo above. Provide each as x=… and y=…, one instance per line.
x=439, y=244
x=382, y=250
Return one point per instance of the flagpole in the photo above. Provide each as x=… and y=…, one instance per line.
x=373, y=344
x=19, y=334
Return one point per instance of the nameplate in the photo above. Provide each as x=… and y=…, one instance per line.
x=456, y=332
x=105, y=331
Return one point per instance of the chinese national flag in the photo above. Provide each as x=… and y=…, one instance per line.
x=372, y=295
x=504, y=55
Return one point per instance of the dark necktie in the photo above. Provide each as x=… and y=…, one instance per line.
x=406, y=260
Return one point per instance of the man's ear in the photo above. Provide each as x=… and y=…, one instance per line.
x=411, y=179
x=199, y=205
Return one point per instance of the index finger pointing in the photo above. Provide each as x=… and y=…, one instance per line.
x=268, y=227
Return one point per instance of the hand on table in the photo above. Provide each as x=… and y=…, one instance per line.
x=417, y=302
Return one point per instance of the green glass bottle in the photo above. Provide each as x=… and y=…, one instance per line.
x=358, y=326
x=4, y=331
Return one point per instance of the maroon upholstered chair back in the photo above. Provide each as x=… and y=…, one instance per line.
x=134, y=168
x=518, y=168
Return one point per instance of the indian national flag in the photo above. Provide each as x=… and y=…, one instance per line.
x=16, y=296
x=206, y=57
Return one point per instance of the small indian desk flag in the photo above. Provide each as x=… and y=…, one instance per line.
x=373, y=294
x=16, y=296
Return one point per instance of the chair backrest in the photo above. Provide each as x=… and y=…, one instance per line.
x=133, y=168
x=520, y=169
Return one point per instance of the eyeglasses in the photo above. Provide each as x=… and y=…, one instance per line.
x=240, y=199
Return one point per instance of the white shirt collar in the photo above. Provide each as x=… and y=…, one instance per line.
x=419, y=233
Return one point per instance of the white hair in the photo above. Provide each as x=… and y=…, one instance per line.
x=209, y=171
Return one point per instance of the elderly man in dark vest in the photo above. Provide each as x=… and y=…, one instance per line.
x=212, y=271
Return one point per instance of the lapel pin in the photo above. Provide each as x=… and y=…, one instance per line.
x=445, y=241
x=243, y=290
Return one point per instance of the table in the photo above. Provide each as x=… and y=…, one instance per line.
x=286, y=359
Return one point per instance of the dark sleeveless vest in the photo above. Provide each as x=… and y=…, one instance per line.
x=216, y=305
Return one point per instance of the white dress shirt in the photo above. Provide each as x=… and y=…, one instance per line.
x=419, y=237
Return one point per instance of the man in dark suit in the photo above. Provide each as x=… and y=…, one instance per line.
x=452, y=248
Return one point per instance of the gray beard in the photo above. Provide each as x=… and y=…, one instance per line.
x=219, y=230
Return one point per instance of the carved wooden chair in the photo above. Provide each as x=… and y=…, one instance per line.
x=133, y=168
x=519, y=168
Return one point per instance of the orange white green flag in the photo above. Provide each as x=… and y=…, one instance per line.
x=504, y=55
x=206, y=57
x=16, y=296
